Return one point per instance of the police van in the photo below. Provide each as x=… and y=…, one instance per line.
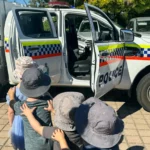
x=113, y=59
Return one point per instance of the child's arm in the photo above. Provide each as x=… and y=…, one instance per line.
x=59, y=136
x=9, y=97
x=10, y=115
x=33, y=122
x=51, y=110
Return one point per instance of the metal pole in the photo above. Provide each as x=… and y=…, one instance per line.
x=4, y=7
x=74, y=3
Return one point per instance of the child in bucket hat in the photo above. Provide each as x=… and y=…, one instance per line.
x=34, y=85
x=17, y=131
x=65, y=106
x=98, y=125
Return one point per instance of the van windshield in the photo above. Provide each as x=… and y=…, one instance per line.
x=143, y=26
x=85, y=27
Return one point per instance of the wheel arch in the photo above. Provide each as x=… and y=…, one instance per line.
x=137, y=79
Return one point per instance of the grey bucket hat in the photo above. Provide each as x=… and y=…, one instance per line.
x=65, y=105
x=98, y=124
x=34, y=83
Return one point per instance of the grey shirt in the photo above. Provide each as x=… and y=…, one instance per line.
x=33, y=141
x=73, y=139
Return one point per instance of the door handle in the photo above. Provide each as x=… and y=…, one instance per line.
x=105, y=54
x=33, y=48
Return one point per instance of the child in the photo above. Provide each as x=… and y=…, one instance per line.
x=17, y=132
x=35, y=85
x=98, y=125
x=65, y=106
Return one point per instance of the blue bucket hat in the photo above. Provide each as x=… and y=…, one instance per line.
x=98, y=124
x=34, y=83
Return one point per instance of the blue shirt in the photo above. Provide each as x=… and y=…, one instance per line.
x=18, y=96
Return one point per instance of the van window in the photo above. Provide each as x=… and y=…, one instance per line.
x=85, y=27
x=130, y=25
x=143, y=26
x=55, y=21
x=35, y=24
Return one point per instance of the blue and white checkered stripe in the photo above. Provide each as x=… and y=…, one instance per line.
x=145, y=52
x=42, y=50
x=6, y=44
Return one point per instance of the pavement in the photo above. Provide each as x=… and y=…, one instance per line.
x=136, y=135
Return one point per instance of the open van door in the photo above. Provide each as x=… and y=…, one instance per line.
x=38, y=39
x=107, y=54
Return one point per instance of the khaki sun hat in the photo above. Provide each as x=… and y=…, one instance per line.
x=21, y=64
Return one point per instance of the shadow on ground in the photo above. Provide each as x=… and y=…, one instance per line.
x=129, y=106
x=136, y=148
x=114, y=96
x=57, y=90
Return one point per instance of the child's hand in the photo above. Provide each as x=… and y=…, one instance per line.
x=11, y=93
x=58, y=135
x=26, y=110
x=50, y=106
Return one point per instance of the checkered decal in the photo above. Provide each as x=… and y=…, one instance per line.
x=6, y=45
x=42, y=50
x=145, y=52
x=113, y=54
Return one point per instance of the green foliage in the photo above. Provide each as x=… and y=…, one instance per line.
x=121, y=10
x=46, y=25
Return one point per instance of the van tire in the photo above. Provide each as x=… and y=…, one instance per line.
x=143, y=92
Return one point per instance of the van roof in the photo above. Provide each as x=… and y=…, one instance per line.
x=141, y=18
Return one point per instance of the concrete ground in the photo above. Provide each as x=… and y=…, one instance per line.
x=136, y=135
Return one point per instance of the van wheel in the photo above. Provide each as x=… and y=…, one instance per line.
x=143, y=92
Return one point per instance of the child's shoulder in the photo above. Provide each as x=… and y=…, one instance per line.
x=19, y=95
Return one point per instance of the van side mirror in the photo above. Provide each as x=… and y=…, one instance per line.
x=126, y=35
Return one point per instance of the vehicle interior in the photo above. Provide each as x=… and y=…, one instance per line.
x=79, y=64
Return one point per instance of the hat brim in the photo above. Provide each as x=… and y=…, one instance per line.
x=64, y=126
x=39, y=91
x=100, y=140
x=93, y=138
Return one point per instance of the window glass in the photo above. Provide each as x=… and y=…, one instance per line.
x=143, y=26
x=55, y=21
x=106, y=32
x=131, y=25
x=85, y=26
x=35, y=24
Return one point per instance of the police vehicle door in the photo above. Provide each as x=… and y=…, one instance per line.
x=38, y=39
x=107, y=55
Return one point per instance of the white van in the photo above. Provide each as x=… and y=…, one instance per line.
x=33, y=32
